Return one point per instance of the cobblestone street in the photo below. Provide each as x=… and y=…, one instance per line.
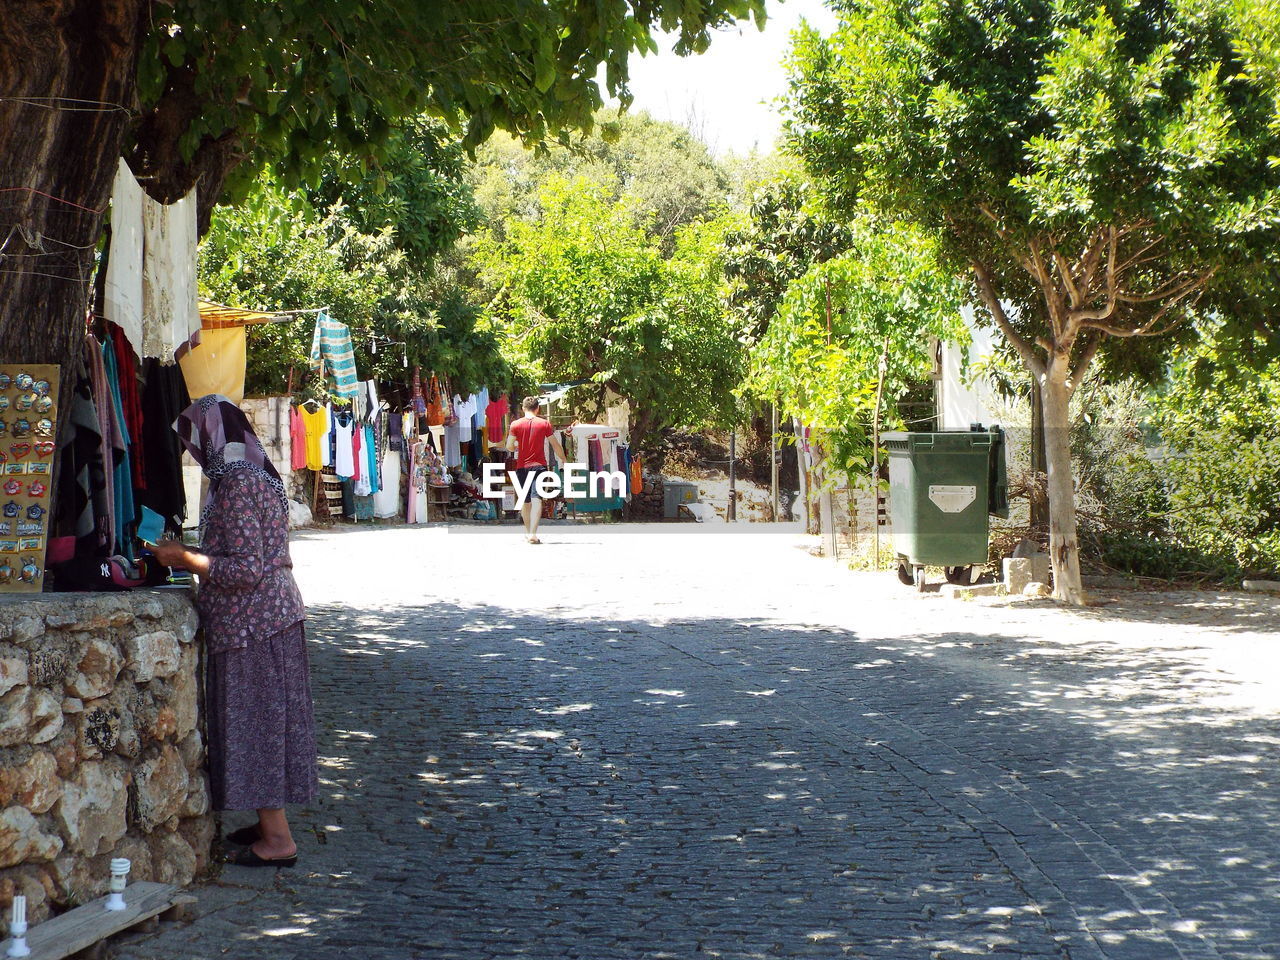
x=672, y=742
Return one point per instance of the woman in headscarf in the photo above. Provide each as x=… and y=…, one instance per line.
x=262, y=753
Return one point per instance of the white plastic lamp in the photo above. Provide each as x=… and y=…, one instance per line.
x=119, y=877
x=18, y=929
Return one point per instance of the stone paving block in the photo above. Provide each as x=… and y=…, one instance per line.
x=843, y=776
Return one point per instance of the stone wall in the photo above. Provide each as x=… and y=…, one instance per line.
x=269, y=417
x=647, y=505
x=100, y=751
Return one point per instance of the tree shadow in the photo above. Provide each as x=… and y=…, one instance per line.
x=497, y=784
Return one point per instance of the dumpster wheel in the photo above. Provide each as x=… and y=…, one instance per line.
x=920, y=581
x=959, y=575
x=905, y=576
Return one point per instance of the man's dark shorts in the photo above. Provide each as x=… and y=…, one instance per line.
x=524, y=473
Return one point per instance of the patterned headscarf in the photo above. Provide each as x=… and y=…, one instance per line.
x=218, y=436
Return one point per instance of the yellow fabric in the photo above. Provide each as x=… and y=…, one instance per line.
x=216, y=365
x=313, y=423
x=215, y=316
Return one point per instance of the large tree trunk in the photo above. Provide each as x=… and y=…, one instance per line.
x=1036, y=499
x=1064, y=548
x=67, y=76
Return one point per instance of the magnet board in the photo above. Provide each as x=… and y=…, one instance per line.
x=28, y=435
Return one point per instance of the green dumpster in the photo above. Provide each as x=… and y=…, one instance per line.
x=942, y=486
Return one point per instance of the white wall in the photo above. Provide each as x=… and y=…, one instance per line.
x=965, y=397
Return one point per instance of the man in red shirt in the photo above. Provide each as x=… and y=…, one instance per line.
x=530, y=435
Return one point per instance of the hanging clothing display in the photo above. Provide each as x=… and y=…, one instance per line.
x=216, y=364
x=122, y=474
x=130, y=402
x=315, y=419
x=390, y=462
x=109, y=443
x=297, y=440
x=82, y=492
x=122, y=294
x=464, y=411
x=331, y=487
x=332, y=355
x=418, y=400
x=163, y=398
x=357, y=458
x=495, y=416
x=369, y=465
x=452, y=451
x=369, y=391
x=434, y=403
x=425, y=465
x=394, y=431
x=480, y=420
x=386, y=501
x=344, y=463
x=170, y=315
x=383, y=423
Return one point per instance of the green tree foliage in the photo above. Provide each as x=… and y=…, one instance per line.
x=584, y=293
x=1222, y=469
x=210, y=92
x=1099, y=169
x=667, y=175
x=229, y=82
x=420, y=192
x=783, y=237
x=870, y=309
x=276, y=251
x=1258, y=41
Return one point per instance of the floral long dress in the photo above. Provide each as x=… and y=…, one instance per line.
x=261, y=727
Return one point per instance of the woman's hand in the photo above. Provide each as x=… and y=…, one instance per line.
x=170, y=553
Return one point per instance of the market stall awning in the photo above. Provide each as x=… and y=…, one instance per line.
x=215, y=316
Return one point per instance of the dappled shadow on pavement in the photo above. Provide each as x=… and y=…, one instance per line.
x=496, y=784
x=1229, y=611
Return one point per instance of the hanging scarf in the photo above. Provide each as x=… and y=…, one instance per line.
x=218, y=436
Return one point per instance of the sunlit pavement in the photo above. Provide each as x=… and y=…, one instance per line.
x=674, y=742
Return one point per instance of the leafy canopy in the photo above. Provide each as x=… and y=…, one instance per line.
x=1219, y=421
x=225, y=82
x=667, y=175
x=278, y=251
x=584, y=293
x=421, y=192
x=1033, y=135
x=784, y=235
x=878, y=303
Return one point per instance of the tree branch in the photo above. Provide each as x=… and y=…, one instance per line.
x=1001, y=231
x=992, y=302
x=1148, y=328
x=1175, y=288
x=1064, y=271
x=1050, y=293
x=1092, y=341
x=1138, y=257
x=1090, y=256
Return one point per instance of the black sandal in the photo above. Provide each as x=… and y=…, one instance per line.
x=244, y=836
x=247, y=858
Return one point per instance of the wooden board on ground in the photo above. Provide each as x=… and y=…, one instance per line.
x=92, y=923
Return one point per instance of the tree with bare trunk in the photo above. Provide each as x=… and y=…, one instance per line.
x=1099, y=170
x=203, y=93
